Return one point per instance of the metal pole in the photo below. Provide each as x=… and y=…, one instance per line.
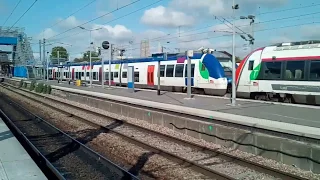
x=44, y=56
x=189, y=77
x=40, y=55
x=233, y=99
x=110, y=59
x=58, y=56
x=90, y=62
x=158, y=91
x=90, y=70
x=102, y=66
x=47, y=68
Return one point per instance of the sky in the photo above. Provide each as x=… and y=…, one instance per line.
x=177, y=25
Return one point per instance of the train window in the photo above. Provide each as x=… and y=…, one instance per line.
x=88, y=74
x=186, y=70
x=106, y=75
x=169, y=71
x=136, y=76
x=272, y=70
x=115, y=74
x=179, y=70
x=94, y=76
x=250, y=67
x=124, y=74
x=162, y=70
x=82, y=74
x=315, y=70
x=294, y=70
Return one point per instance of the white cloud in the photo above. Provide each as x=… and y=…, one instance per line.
x=310, y=32
x=165, y=17
x=79, y=39
x=209, y=8
x=70, y=22
x=200, y=7
x=48, y=32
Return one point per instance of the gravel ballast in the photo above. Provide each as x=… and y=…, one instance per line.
x=239, y=172
x=114, y=148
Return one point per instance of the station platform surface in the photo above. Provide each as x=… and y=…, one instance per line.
x=288, y=113
x=15, y=162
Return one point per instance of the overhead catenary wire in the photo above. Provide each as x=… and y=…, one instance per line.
x=23, y=14
x=86, y=5
x=122, y=7
x=213, y=37
x=167, y=34
x=12, y=12
x=267, y=21
x=132, y=12
x=290, y=9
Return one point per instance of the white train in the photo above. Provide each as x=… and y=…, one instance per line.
x=286, y=72
x=210, y=73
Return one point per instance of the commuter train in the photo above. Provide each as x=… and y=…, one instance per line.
x=285, y=72
x=210, y=73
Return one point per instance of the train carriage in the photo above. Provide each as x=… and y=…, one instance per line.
x=286, y=72
x=207, y=74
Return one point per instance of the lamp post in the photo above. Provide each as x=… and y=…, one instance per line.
x=90, y=49
x=47, y=66
x=251, y=17
x=233, y=98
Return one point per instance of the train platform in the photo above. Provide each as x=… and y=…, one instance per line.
x=15, y=162
x=304, y=115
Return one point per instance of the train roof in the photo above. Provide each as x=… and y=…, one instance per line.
x=170, y=57
x=297, y=43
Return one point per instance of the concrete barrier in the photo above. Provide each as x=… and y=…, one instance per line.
x=202, y=127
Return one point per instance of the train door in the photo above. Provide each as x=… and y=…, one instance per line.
x=72, y=74
x=150, y=76
x=186, y=74
x=247, y=80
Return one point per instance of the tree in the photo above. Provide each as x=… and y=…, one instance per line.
x=94, y=56
x=86, y=57
x=63, y=53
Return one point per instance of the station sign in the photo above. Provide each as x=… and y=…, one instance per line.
x=159, y=56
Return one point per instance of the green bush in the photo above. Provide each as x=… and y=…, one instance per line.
x=25, y=85
x=21, y=83
x=32, y=85
x=39, y=88
x=49, y=89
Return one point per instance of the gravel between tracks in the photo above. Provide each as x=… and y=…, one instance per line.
x=164, y=130
x=69, y=159
x=113, y=147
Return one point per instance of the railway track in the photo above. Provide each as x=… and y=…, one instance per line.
x=62, y=156
x=209, y=162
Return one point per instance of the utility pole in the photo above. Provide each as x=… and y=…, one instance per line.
x=58, y=56
x=47, y=66
x=189, y=77
x=40, y=53
x=90, y=69
x=233, y=98
x=110, y=59
x=44, y=56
